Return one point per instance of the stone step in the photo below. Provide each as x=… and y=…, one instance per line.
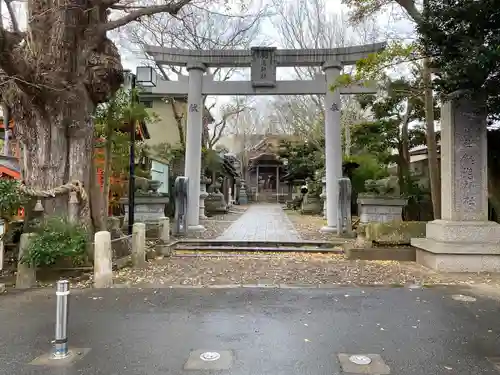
x=262, y=243
x=178, y=249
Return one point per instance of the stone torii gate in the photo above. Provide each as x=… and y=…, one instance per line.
x=263, y=62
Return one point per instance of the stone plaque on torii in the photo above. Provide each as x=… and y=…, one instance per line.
x=263, y=67
x=263, y=62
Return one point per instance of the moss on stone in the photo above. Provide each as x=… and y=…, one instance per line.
x=396, y=232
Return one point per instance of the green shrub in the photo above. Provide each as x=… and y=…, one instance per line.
x=369, y=169
x=11, y=199
x=57, y=238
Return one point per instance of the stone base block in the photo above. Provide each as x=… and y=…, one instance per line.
x=457, y=257
x=196, y=228
x=460, y=246
x=464, y=231
x=459, y=262
x=327, y=229
x=48, y=360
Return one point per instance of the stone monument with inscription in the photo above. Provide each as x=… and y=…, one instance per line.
x=463, y=240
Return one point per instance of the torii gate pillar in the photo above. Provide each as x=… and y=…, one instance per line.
x=333, y=144
x=194, y=131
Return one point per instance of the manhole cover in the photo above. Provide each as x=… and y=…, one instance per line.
x=462, y=298
x=210, y=356
x=360, y=359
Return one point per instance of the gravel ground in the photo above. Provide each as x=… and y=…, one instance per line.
x=308, y=226
x=296, y=268
x=217, y=224
x=293, y=268
x=277, y=268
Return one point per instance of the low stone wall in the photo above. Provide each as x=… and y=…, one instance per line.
x=386, y=241
x=401, y=254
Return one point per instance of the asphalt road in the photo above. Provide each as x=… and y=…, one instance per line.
x=256, y=331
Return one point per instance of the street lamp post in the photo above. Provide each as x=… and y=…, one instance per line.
x=131, y=183
x=145, y=77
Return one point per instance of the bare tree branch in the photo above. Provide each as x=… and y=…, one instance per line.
x=233, y=109
x=202, y=29
x=308, y=24
x=411, y=9
x=171, y=8
x=12, y=15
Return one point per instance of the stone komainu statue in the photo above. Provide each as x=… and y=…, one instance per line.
x=344, y=206
x=386, y=186
x=145, y=185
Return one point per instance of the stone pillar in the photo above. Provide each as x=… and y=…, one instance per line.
x=139, y=245
x=192, y=167
x=203, y=194
x=164, y=230
x=103, y=260
x=333, y=144
x=463, y=240
x=162, y=247
x=26, y=273
x=73, y=207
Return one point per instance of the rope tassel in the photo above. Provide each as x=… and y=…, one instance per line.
x=74, y=189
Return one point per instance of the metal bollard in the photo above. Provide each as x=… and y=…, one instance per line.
x=61, y=339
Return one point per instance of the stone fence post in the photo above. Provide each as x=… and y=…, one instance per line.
x=26, y=273
x=73, y=207
x=103, y=262
x=163, y=236
x=139, y=245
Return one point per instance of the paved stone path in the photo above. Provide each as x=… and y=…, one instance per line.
x=262, y=222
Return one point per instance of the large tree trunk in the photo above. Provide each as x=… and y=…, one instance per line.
x=404, y=151
x=58, y=148
x=434, y=169
x=178, y=115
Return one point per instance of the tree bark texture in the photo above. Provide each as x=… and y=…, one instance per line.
x=434, y=178
x=404, y=151
x=66, y=71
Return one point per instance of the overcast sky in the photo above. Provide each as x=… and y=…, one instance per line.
x=391, y=24
x=270, y=36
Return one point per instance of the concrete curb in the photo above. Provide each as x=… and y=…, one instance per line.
x=279, y=286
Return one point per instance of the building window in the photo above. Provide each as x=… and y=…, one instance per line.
x=147, y=103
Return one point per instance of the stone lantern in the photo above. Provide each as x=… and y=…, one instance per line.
x=203, y=194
